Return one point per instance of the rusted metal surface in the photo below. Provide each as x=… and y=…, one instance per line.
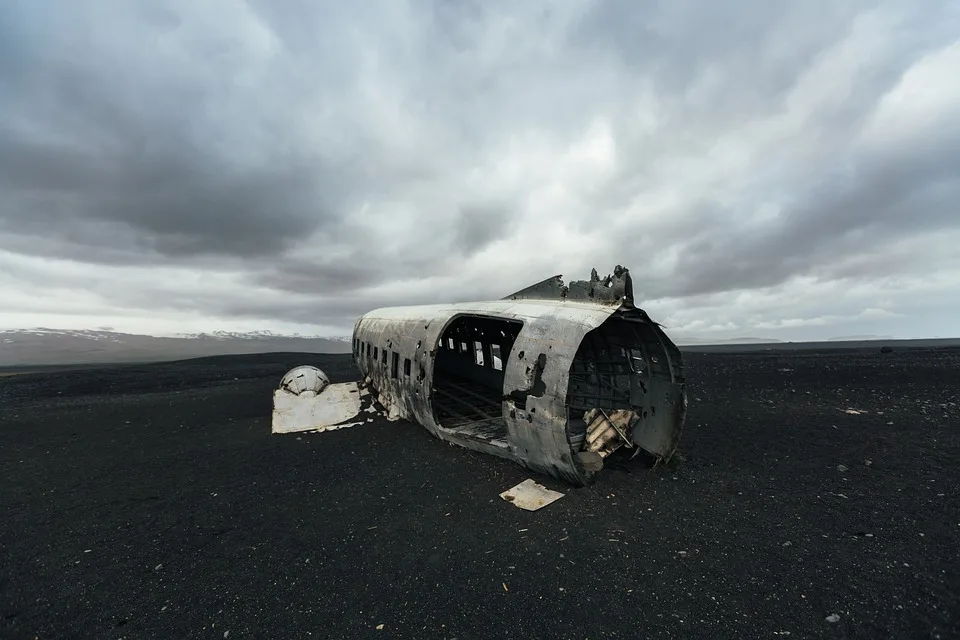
x=530, y=496
x=519, y=377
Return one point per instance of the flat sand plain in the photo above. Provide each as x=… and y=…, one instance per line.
x=152, y=502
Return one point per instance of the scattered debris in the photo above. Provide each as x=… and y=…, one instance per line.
x=530, y=496
x=481, y=375
x=842, y=468
x=855, y=412
x=608, y=432
x=833, y=618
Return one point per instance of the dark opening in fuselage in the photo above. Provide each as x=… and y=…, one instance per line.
x=468, y=391
x=623, y=367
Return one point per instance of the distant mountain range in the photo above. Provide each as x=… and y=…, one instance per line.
x=683, y=341
x=42, y=347
x=30, y=347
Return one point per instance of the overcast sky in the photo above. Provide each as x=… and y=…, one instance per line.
x=783, y=169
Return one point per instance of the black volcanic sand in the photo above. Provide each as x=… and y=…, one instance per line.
x=152, y=501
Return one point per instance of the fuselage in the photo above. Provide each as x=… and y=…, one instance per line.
x=553, y=385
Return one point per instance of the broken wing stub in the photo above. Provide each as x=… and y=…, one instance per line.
x=615, y=289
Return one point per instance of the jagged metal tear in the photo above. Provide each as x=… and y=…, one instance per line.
x=615, y=289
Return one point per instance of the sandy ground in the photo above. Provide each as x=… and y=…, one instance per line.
x=153, y=502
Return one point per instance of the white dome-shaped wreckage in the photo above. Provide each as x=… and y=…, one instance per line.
x=305, y=381
x=306, y=401
x=554, y=377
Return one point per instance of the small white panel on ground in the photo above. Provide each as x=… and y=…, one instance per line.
x=530, y=496
x=333, y=406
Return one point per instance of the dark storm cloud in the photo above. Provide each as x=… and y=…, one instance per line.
x=161, y=154
x=331, y=157
x=480, y=224
x=856, y=205
x=837, y=196
x=333, y=278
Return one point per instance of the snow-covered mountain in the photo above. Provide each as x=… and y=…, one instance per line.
x=258, y=335
x=684, y=341
x=43, y=346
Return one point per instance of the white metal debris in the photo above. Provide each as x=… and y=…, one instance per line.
x=607, y=432
x=530, y=496
x=306, y=401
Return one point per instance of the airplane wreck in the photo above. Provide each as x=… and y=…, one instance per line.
x=554, y=377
